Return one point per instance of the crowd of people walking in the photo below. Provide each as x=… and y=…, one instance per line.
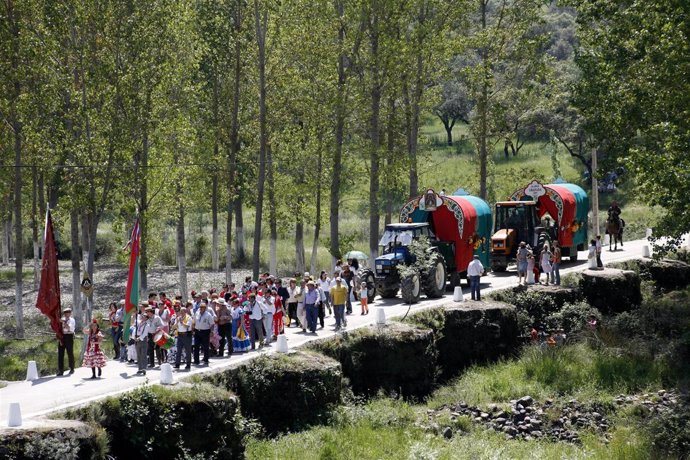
x=220, y=322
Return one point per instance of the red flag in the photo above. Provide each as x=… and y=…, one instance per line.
x=48, y=300
x=132, y=289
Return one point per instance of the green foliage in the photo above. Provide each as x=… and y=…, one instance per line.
x=634, y=92
x=670, y=432
x=14, y=355
x=572, y=317
x=420, y=250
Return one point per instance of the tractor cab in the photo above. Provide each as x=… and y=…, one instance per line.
x=394, y=245
x=515, y=221
x=517, y=218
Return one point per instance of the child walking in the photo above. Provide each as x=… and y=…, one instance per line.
x=94, y=357
x=364, y=298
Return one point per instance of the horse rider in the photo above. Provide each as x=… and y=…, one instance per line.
x=615, y=215
x=614, y=210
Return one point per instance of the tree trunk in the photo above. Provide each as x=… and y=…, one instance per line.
x=374, y=136
x=16, y=125
x=228, y=243
x=414, y=124
x=299, y=245
x=261, y=27
x=317, y=217
x=41, y=211
x=339, y=136
x=86, y=248
x=34, y=225
x=143, y=203
x=18, y=249
x=6, y=235
x=214, y=218
x=482, y=109
x=449, y=134
x=76, y=271
x=272, y=215
x=234, y=140
x=181, y=256
x=240, y=240
x=390, y=153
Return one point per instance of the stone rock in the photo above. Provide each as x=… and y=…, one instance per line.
x=447, y=433
x=611, y=290
x=666, y=274
x=510, y=430
x=315, y=381
x=561, y=295
x=470, y=333
x=500, y=421
x=39, y=440
x=398, y=359
x=526, y=401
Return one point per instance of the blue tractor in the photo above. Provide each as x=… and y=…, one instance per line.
x=395, y=249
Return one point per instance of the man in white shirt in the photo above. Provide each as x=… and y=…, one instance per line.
x=141, y=338
x=256, y=316
x=68, y=325
x=474, y=273
x=269, y=309
x=203, y=322
x=155, y=325
x=183, y=325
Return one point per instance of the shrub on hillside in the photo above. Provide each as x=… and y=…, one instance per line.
x=670, y=432
x=572, y=317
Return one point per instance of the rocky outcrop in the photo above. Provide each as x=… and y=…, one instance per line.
x=53, y=440
x=397, y=359
x=470, y=332
x=611, y=290
x=156, y=422
x=666, y=274
x=560, y=295
x=285, y=391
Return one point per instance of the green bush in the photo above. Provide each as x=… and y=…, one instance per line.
x=670, y=432
x=572, y=317
x=156, y=422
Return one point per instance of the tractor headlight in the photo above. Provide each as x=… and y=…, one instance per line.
x=379, y=267
x=498, y=244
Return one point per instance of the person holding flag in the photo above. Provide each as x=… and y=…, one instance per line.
x=132, y=288
x=48, y=300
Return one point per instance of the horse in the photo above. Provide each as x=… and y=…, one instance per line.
x=615, y=230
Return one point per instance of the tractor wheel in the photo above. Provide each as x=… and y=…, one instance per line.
x=455, y=280
x=389, y=291
x=410, y=288
x=367, y=276
x=435, y=281
x=573, y=253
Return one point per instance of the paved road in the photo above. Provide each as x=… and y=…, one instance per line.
x=50, y=394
